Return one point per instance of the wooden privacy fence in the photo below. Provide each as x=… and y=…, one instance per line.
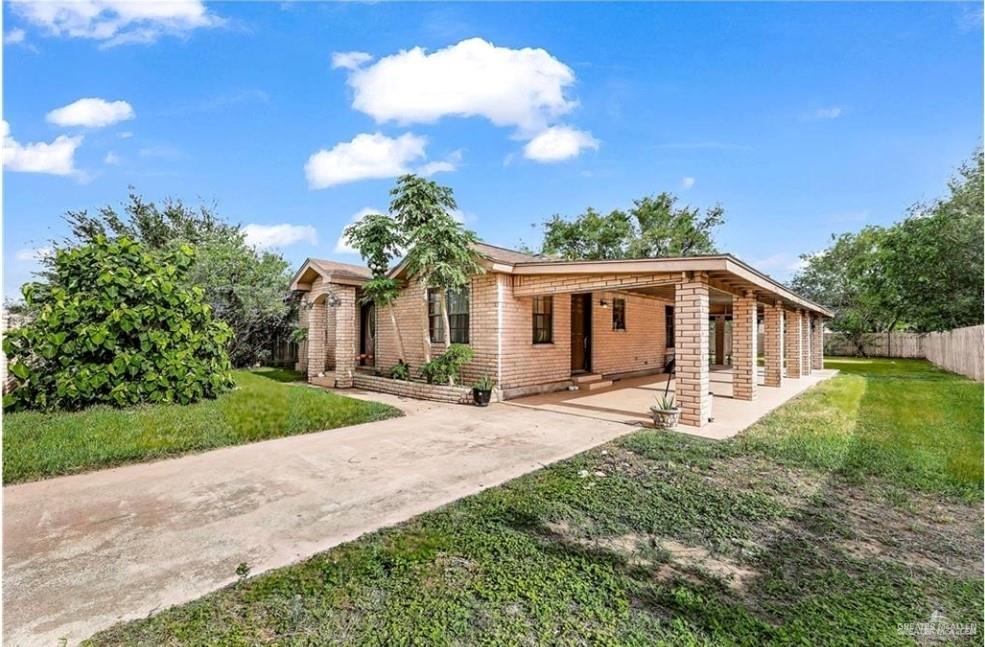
x=959, y=350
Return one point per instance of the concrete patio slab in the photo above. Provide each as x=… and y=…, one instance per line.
x=84, y=552
x=628, y=401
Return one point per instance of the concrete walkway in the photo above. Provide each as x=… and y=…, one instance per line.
x=84, y=552
x=629, y=400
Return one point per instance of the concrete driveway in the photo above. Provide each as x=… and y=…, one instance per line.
x=84, y=552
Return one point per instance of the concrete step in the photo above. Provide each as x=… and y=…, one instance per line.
x=586, y=377
x=598, y=384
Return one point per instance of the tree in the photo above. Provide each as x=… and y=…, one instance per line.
x=246, y=287
x=850, y=278
x=379, y=240
x=440, y=251
x=935, y=256
x=114, y=323
x=924, y=273
x=653, y=227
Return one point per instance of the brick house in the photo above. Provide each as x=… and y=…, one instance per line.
x=538, y=324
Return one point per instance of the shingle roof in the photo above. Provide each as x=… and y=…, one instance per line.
x=510, y=256
x=342, y=269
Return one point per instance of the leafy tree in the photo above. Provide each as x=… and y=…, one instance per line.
x=247, y=288
x=935, y=256
x=379, y=240
x=850, y=278
x=653, y=227
x=440, y=250
x=115, y=324
x=924, y=273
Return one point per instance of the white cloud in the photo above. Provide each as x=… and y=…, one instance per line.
x=14, y=36
x=687, y=182
x=446, y=165
x=559, y=143
x=350, y=60
x=111, y=158
x=366, y=156
x=91, y=113
x=783, y=263
x=29, y=255
x=264, y=236
x=116, y=22
x=524, y=88
x=125, y=135
x=342, y=247
x=55, y=158
x=831, y=112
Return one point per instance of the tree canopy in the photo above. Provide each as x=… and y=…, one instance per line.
x=923, y=273
x=654, y=226
x=246, y=287
x=113, y=323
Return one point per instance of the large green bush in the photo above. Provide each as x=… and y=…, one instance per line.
x=113, y=323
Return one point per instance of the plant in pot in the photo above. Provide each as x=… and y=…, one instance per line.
x=665, y=413
x=482, y=391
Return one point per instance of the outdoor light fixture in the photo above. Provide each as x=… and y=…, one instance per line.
x=603, y=303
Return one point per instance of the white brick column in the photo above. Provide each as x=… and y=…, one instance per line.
x=805, y=343
x=345, y=335
x=317, y=319
x=773, y=345
x=817, y=344
x=744, y=346
x=691, y=350
x=792, y=343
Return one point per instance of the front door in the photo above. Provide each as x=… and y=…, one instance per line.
x=367, y=335
x=581, y=333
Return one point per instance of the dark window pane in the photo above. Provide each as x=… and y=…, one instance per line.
x=669, y=320
x=619, y=314
x=458, y=316
x=543, y=320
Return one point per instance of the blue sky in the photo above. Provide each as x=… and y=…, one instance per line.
x=800, y=119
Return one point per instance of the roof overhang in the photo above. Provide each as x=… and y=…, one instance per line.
x=726, y=273
x=310, y=271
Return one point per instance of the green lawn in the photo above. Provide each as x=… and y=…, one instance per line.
x=41, y=445
x=850, y=510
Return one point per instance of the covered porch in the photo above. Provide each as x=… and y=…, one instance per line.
x=628, y=401
x=738, y=343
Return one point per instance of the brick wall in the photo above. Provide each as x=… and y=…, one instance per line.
x=817, y=344
x=410, y=309
x=773, y=345
x=691, y=331
x=792, y=342
x=642, y=346
x=744, y=347
x=530, y=285
x=418, y=390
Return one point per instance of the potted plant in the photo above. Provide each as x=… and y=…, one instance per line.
x=482, y=391
x=665, y=413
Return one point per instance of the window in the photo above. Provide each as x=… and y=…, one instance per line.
x=543, y=320
x=458, y=316
x=669, y=323
x=619, y=314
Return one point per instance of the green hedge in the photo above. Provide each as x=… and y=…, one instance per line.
x=115, y=324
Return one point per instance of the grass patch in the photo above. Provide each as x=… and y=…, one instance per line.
x=905, y=421
x=279, y=374
x=781, y=538
x=40, y=445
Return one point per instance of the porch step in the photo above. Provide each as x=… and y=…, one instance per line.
x=586, y=377
x=597, y=384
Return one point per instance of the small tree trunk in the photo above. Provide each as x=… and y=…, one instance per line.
x=424, y=319
x=446, y=325
x=396, y=331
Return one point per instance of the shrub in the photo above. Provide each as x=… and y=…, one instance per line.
x=484, y=383
x=400, y=371
x=447, y=367
x=116, y=324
